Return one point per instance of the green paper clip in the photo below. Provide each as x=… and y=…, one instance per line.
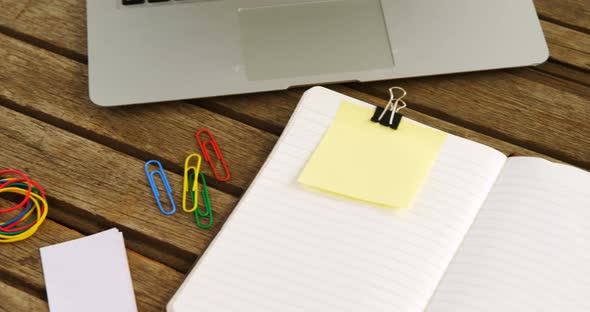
x=208, y=213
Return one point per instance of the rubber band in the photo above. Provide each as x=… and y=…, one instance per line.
x=30, y=212
x=25, y=214
x=7, y=227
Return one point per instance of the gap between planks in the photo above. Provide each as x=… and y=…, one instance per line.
x=146, y=273
x=102, y=224
x=67, y=127
x=265, y=126
x=269, y=127
x=208, y=105
x=564, y=23
x=65, y=52
x=490, y=132
x=90, y=220
x=564, y=71
x=12, y=297
x=236, y=191
x=131, y=239
x=15, y=281
x=120, y=146
x=160, y=251
x=569, y=73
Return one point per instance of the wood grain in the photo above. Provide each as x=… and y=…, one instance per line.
x=565, y=73
x=147, y=275
x=105, y=186
x=496, y=102
x=54, y=88
x=13, y=299
x=270, y=111
x=242, y=107
x=503, y=146
x=568, y=46
x=574, y=13
x=154, y=282
x=520, y=106
x=61, y=25
x=267, y=110
x=90, y=159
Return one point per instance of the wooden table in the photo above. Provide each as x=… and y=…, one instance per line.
x=90, y=159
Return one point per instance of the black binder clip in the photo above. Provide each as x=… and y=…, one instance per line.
x=390, y=116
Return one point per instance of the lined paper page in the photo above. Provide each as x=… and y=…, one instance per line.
x=528, y=248
x=290, y=248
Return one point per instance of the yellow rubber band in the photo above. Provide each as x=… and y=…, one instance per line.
x=41, y=213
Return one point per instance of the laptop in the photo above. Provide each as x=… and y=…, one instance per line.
x=161, y=50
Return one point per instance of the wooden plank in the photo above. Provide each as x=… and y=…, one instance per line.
x=54, y=88
x=272, y=118
x=14, y=299
x=238, y=106
x=574, y=13
x=154, y=282
x=61, y=24
x=56, y=234
x=564, y=72
x=568, y=46
x=100, y=185
x=268, y=110
x=503, y=146
x=522, y=106
x=481, y=91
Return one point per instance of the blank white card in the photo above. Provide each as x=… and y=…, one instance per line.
x=89, y=274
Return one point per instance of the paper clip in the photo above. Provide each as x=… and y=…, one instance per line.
x=192, y=185
x=391, y=110
x=162, y=174
x=206, y=202
x=203, y=145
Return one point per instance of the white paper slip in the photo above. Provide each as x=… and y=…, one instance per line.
x=89, y=274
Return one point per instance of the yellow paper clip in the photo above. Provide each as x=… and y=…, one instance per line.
x=187, y=185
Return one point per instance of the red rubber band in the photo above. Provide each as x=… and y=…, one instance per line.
x=26, y=179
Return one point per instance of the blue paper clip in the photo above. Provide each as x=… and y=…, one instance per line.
x=162, y=174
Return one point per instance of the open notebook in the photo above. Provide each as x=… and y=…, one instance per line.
x=485, y=233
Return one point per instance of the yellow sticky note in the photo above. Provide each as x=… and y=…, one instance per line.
x=370, y=162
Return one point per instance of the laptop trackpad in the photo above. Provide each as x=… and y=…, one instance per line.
x=314, y=39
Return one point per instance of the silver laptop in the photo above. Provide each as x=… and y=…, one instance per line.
x=159, y=50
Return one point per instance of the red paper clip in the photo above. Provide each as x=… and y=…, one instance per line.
x=203, y=145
